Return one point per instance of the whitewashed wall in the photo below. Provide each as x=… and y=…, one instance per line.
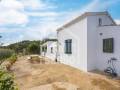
x=42, y=52
x=48, y=54
x=78, y=34
x=87, y=44
x=108, y=32
x=92, y=40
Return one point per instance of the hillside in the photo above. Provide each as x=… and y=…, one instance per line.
x=21, y=47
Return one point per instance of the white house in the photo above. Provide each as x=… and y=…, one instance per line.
x=89, y=41
x=49, y=49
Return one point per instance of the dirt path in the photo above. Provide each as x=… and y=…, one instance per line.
x=58, y=77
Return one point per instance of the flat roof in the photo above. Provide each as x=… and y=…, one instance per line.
x=49, y=40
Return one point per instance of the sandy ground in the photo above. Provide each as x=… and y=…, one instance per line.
x=55, y=76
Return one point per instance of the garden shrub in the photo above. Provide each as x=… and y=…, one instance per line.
x=4, y=54
x=33, y=48
x=12, y=59
x=6, y=80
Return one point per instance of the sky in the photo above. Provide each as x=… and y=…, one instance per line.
x=38, y=19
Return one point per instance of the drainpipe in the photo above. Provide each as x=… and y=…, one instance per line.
x=56, y=59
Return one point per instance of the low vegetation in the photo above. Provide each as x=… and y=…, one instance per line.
x=11, y=61
x=25, y=47
x=33, y=48
x=8, y=56
x=4, y=54
x=7, y=80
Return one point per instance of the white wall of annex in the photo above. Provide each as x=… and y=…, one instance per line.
x=78, y=33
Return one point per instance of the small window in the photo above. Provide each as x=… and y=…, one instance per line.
x=108, y=45
x=68, y=46
x=51, y=49
x=44, y=49
x=100, y=21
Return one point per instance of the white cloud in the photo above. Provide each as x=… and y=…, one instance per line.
x=11, y=13
x=8, y=41
x=13, y=17
x=42, y=14
x=117, y=21
x=9, y=30
x=33, y=4
x=41, y=31
x=37, y=4
x=11, y=4
x=14, y=14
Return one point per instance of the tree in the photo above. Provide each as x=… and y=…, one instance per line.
x=34, y=48
x=21, y=47
x=0, y=42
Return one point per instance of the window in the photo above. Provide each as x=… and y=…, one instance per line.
x=108, y=45
x=51, y=49
x=100, y=21
x=68, y=46
x=44, y=49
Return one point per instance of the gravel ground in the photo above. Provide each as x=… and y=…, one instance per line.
x=56, y=76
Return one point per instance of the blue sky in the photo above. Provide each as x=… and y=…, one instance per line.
x=36, y=19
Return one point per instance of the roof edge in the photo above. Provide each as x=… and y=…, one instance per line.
x=82, y=16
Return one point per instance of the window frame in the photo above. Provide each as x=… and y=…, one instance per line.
x=108, y=45
x=100, y=21
x=44, y=48
x=68, y=46
x=51, y=49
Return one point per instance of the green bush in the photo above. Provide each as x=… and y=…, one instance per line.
x=6, y=81
x=13, y=58
x=4, y=54
x=33, y=48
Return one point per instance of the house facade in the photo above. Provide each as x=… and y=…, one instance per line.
x=89, y=41
x=49, y=49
